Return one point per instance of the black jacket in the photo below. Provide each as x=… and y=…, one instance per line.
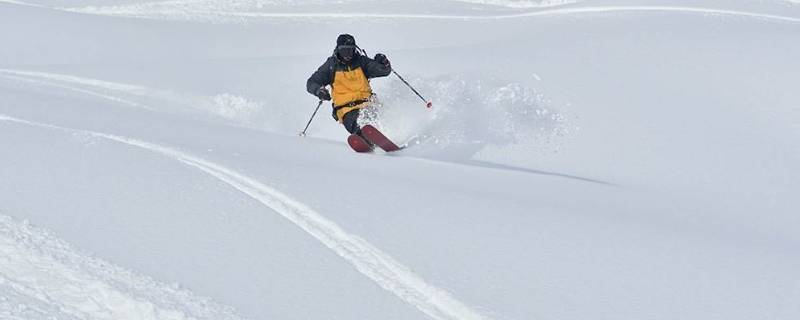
x=324, y=74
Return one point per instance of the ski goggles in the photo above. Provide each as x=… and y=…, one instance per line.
x=346, y=51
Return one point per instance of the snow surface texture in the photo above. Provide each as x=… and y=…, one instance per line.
x=609, y=159
x=41, y=276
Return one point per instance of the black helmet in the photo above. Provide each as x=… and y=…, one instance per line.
x=345, y=47
x=345, y=40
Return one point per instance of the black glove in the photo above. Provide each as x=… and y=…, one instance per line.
x=382, y=59
x=323, y=94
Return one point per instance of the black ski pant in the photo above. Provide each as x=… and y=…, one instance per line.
x=350, y=122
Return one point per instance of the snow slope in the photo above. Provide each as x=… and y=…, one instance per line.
x=601, y=159
x=45, y=277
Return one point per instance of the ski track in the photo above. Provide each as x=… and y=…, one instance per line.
x=78, y=80
x=42, y=277
x=378, y=266
x=218, y=13
x=98, y=88
x=233, y=109
x=74, y=89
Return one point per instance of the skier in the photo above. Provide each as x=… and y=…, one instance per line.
x=347, y=71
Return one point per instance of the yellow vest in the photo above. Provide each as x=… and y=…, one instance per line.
x=349, y=86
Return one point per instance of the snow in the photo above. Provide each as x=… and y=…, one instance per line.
x=609, y=159
x=46, y=277
x=250, y=11
x=370, y=261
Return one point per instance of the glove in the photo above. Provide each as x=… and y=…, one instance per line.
x=382, y=59
x=323, y=94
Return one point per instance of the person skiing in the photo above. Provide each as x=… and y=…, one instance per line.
x=347, y=71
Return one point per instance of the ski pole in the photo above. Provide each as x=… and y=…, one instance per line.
x=303, y=134
x=427, y=103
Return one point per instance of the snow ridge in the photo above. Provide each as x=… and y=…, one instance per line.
x=213, y=16
x=241, y=17
x=697, y=10
x=242, y=12
x=381, y=268
x=51, y=280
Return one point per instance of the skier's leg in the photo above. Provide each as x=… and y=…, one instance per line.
x=350, y=122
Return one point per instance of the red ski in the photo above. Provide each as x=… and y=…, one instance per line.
x=358, y=143
x=373, y=135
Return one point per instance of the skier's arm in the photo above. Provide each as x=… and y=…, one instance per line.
x=379, y=67
x=320, y=78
